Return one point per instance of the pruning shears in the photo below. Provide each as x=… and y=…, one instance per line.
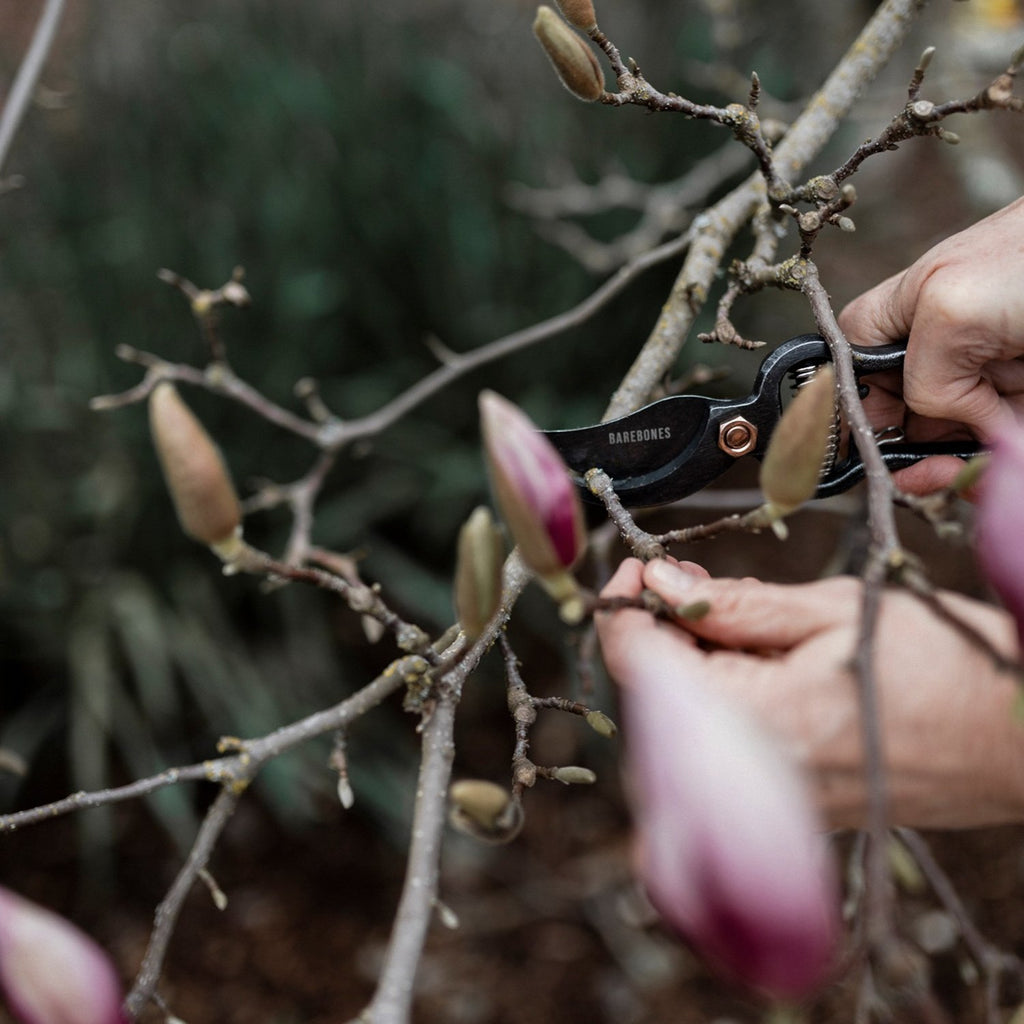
x=676, y=446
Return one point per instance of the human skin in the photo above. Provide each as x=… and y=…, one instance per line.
x=953, y=745
x=961, y=307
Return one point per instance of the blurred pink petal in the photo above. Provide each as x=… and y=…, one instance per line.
x=50, y=971
x=1001, y=521
x=730, y=848
x=532, y=485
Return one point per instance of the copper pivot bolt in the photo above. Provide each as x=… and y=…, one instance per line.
x=737, y=436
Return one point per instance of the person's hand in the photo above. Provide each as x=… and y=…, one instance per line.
x=961, y=307
x=953, y=745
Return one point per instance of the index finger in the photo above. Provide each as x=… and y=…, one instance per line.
x=878, y=316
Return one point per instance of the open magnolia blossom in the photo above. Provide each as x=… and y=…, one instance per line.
x=1001, y=521
x=50, y=971
x=729, y=847
x=538, y=499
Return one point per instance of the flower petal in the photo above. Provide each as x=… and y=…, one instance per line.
x=50, y=971
x=1001, y=521
x=730, y=850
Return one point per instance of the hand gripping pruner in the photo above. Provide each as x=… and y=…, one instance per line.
x=676, y=446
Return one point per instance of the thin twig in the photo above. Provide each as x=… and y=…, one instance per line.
x=232, y=768
x=463, y=363
x=24, y=84
x=218, y=378
x=991, y=960
x=336, y=434
x=217, y=817
x=918, y=584
x=84, y=801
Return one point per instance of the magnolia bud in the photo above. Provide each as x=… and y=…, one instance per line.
x=532, y=485
x=571, y=57
x=579, y=13
x=50, y=972
x=601, y=724
x=485, y=810
x=574, y=775
x=792, y=464
x=194, y=471
x=728, y=843
x=481, y=554
x=969, y=476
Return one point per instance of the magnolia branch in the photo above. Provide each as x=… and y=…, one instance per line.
x=323, y=429
x=334, y=434
x=717, y=227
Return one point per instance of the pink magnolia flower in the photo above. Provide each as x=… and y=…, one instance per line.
x=729, y=847
x=1001, y=521
x=532, y=485
x=50, y=971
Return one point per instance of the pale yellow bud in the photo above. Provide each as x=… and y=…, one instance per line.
x=572, y=58
x=601, y=724
x=194, y=470
x=481, y=555
x=792, y=464
x=484, y=810
x=574, y=775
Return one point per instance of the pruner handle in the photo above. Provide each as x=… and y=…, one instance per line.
x=895, y=455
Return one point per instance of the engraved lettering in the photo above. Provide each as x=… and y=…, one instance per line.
x=634, y=436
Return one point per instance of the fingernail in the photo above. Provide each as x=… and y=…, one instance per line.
x=672, y=577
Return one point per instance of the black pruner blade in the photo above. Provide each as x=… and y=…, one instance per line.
x=677, y=446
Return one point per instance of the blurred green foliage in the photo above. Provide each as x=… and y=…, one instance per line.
x=353, y=160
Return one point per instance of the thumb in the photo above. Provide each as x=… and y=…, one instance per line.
x=748, y=614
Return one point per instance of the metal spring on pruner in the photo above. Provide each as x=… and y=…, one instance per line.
x=800, y=377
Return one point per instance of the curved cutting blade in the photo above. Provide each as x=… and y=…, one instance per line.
x=646, y=453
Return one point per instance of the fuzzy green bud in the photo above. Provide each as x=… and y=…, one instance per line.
x=572, y=59
x=792, y=464
x=481, y=555
x=194, y=470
